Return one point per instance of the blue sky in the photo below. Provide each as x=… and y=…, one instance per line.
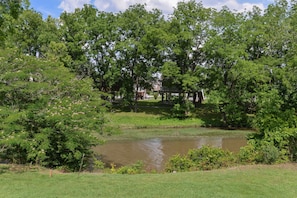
x=56, y=7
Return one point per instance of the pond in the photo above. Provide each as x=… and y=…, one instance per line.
x=155, y=152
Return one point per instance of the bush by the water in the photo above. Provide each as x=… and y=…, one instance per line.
x=205, y=158
x=136, y=168
x=263, y=152
x=179, y=163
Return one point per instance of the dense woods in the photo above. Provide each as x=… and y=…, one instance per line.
x=245, y=62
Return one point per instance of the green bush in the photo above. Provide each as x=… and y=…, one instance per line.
x=234, y=115
x=208, y=158
x=268, y=154
x=137, y=168
x=98, y=164
x=179, y=163
x=259, y=152
x=182, y=109
x=248, y=154
x=205, y=158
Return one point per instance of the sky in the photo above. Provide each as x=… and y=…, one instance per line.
x=56, y=7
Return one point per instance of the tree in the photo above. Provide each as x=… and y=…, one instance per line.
x=136, y=60
x=188, y=32
x=73, y=28
x=48, y=116
x=102, y=32
x=231, y=71
x=9, y=11
x=28, y=28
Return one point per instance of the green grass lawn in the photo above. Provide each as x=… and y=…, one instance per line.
x=153, y=120
x=245, y=181
x=153, y=113
x=130, y=120
x=150, y=114
x=179, y=132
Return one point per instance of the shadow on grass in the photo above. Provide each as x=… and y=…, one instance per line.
x=147, y=107
x=208, y=113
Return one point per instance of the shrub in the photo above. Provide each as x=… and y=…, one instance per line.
x=260, y=152
x=179, y=163
x=248, y=154
x=136, y=168
x=268, y=154
x=207, y=158
x=98, y=164
x=182, y=109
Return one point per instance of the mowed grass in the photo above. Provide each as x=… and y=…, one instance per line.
x=245, y=181
x=188, y=132
x=154, y=114
x=132, y=120
x=153, y=119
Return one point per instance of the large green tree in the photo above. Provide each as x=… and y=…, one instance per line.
x=48, y=116
x=138, y=49
x=188, y=31
x=9, y=11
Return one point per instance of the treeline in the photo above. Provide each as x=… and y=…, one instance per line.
x=234, y=57
x=246, y=62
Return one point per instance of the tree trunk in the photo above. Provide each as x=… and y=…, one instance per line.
x=136, y=96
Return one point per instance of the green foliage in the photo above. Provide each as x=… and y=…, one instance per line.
x=237, y=57
x=48, y=117
x=208, y=158
x=205, y=158
x=261, y=152
x=179, y=163
x=233, y=115
x=182, y=109
x=98, y=164
x=276, y=123
x=268, y=154
x=248, y=154
x=136, y=168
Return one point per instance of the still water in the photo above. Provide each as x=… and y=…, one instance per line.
x=154, y=153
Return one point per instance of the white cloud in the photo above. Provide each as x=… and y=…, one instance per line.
x=165, y=5
x=102, y=4
x=115, y=5
x=70, y=5
x=232, y=5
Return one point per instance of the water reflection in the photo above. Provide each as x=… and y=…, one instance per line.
x=156, y=152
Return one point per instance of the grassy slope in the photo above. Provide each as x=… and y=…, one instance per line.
x=128, y=120
x=153, y=120
x=152, y=113
x=251, y=181
x=146, y=133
